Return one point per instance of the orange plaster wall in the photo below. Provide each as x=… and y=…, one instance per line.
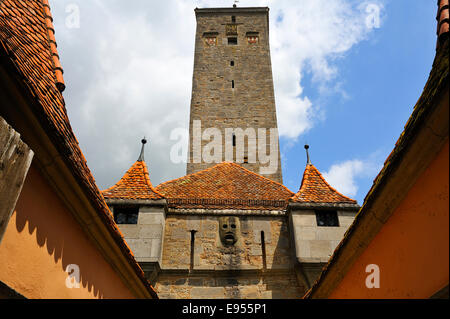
x=41, y=239
x=412, y=248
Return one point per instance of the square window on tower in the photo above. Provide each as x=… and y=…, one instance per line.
x=327, y=218
x=126, y=214
x=232, y=41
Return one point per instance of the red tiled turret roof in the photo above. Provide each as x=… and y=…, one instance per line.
x=135, y=184
x=225, y=186
x=315, y=189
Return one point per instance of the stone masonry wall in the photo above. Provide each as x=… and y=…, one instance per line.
x=210, y=253
x=270, y=286
x=251, y=103
x=145, y=237
x=220, y=271
x=315, y=244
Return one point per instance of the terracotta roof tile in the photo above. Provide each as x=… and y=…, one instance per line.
x=225, y=186
x=315, y=189
x=443, y=20
x=135, y=184
x=26, y=40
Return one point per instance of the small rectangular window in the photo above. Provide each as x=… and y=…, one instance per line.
x=233, y=19
x=231, y=63
x=126, y=214
x=232, y=41
x=327, y=218
x=232, y=84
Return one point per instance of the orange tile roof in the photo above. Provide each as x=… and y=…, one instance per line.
x=223, y=186
x=442, y=18
x=27, y=42
x=135, y=184
x=315, y=189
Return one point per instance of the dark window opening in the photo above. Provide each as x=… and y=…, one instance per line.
x=126, y=215
x=192, y=248
x=327, y=218
x=233, y=19
x=263, y=249
x=245, y=159
x=231, y=63
x=232, y=41
x=234, y=140
x=232, y=84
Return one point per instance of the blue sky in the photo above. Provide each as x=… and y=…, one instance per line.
x=344, y=88
x=384, y=77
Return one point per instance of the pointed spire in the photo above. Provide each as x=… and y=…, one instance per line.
x=308, y=160
x=141, y=156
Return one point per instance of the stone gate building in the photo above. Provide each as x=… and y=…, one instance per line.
x=224, y=230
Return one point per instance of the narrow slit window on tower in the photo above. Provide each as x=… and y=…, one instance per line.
x=231, y=63
x=233, y=19
x=263, y=250
x=192, y=249
x=232, y=41
x=327, y=218
x=232, y=84
x=234, y=140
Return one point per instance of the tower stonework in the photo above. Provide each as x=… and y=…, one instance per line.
x=233, y=89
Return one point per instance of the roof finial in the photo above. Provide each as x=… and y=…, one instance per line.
x=235, y=3
x=141, y=156
x=308, y=160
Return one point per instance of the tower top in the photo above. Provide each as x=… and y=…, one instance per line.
x=232, y=10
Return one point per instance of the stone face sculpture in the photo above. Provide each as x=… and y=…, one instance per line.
x=228, y=230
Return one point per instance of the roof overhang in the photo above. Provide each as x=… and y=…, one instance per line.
x=322, y=206
x=232, y=10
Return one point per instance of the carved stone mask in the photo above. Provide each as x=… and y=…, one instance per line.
x=228, y=230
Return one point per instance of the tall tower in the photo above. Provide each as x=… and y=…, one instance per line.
x=232, y=92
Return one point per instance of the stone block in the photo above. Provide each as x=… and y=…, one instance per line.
x=261, y=225
x=305, y=233
x=207, y=292
x=330, y=233
x=146, y=218
x=129, y=231
x=150, y=231
x=320, y=248
x=193, y=223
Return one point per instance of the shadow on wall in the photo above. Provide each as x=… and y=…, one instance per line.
x=281, y=255
x=63, y=238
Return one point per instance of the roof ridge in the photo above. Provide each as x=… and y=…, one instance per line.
x=191, y=174
x=261, y=176
x=147, y=179
x=57, y=68
x=223, y=164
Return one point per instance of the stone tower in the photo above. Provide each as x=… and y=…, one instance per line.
x=232, y=93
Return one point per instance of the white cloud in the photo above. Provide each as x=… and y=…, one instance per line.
x=128, y=70
x=343, y=176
